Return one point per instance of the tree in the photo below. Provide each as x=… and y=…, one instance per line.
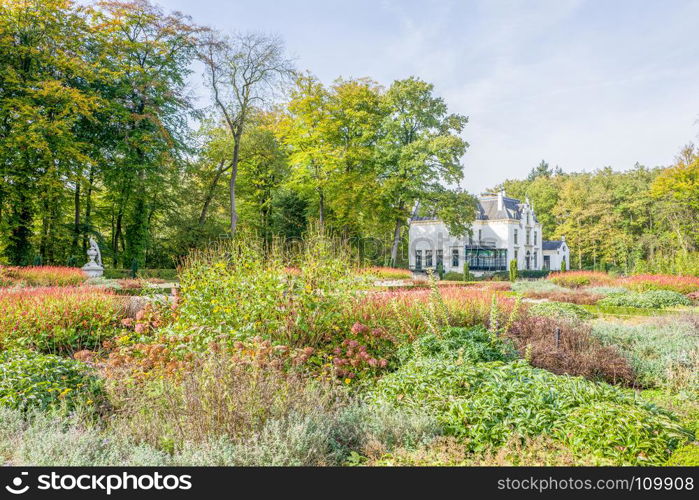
x=306, y=130
x=513, y=270
x=541, y=170
x=243, y=72
x=420, y=151
x=150, y=52
x=43, y=53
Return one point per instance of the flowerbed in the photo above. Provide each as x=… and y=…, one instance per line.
x=388, y=273
x=56, y=319
x=577, y=279
x=646, y=282
x=653, y=299
x=41, y=276
x=44, y=381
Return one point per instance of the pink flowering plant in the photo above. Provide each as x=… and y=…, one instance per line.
x=58, y=319
x=41, y=276
x=647, y=282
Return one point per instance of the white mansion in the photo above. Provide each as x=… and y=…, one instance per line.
x=505, y=229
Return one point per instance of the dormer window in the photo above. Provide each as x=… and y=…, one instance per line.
x=516, y=242
x=528, y=237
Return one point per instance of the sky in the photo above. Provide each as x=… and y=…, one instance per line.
x=582, y=84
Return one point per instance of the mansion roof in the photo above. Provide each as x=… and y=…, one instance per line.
x=489, y=207
x=551, y=245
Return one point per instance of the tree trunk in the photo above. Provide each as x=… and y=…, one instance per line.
x=76, y=220
x=210, y=194
x=396, y=242
x=88, y=207
x=321, y=207
x=234, y=175
x=116, y=237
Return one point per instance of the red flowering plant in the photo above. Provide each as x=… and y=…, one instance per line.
x=58, y=319
x=41, y=276
x=646, y=282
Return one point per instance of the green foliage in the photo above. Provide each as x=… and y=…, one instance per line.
x=45, y=381
x=489, y=403
x=532, y=274
x=453, y=276
x=663, y=353
x=240, y=290
x=466, y=275
x=686, y=456
x=513, y=270
x=560, y=310
x=637, y=435
x=461, y=345
x=537, y=286
x=653, y=299
x=164, y=274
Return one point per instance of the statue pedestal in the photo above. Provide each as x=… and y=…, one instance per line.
x=93, y=270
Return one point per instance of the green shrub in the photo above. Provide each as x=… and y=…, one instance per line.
x=576, y=279
x=686, y=456
x=662, y=354
x=563, y=310
x=536, y=286
x=513, y=270
x=653, y=299
x=492, y=402
x=164, y=274
x=623, y=432
x=45, y=381
x=605, y=290
x=241, y=290
x=533, y=274
x=462, y=345
x=466, y=275
x=453, y=276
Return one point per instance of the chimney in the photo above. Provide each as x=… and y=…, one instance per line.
x=501, y=204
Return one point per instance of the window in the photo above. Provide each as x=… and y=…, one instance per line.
x=440, y=257
x=486, y=259
x=418, y=259
x=428, y=258
x=516, y=255
x=455, y=257
x=480, y=236
x=516, y=237
x=547, y=262
x=529, y=237
x=535, y=237
x=528, y=261
x=535, y=262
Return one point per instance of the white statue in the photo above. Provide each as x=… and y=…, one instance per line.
x=94, y=268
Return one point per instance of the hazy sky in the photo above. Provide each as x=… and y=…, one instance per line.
x=581, y=84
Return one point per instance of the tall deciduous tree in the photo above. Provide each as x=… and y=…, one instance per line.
x=43, y=70
x=147, y=53
x=421, y=152
x=243, y=72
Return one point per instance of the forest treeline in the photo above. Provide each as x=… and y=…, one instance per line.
x=640, y=220
x=101, y=135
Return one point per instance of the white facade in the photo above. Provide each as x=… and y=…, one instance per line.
x=555, y=253
x=505, y=229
